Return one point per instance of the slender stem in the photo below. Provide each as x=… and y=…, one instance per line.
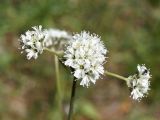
x=116, y=75
x=72, y=100
x=59, y=54
x=58, y=86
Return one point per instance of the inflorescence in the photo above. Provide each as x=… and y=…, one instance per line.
x=139, y=83
x=84, y=54
x=32, y=42
x=56, y=39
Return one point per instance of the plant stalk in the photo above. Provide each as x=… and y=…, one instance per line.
x=72, y=100
x=116, y=75
x=58, y=86
x=59, y=54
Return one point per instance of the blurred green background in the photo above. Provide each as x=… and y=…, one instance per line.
x=130, y=30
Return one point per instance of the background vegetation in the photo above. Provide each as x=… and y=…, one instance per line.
x=131, y=32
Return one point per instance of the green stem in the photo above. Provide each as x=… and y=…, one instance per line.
x=58, y=84
x=59, y=54
x=116, y=75
x=72, y=100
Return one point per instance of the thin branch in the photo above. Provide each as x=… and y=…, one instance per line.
x=59, y=54
x=116, y=75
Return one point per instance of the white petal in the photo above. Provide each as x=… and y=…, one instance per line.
x=69, y=62
x=79, y=73
x=85, y=81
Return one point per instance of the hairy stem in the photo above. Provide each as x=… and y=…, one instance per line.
x=72, y=100
x=116, y=75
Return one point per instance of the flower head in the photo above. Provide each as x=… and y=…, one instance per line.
x=85, y=55
x=56, y=39
x=139, y=83
x=32, y=42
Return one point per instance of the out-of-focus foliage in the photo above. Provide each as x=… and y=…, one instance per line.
x=129, y=28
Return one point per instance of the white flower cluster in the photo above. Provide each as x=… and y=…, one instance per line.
x=56, y=39
x=85, y=55
x=139, y=83
x=32, y=42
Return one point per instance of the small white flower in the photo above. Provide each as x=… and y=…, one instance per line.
x=32, y=42
x=85, y=55
x=139, y=83
x=56, y=39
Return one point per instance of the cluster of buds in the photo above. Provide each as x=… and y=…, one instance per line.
x=56, y=39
